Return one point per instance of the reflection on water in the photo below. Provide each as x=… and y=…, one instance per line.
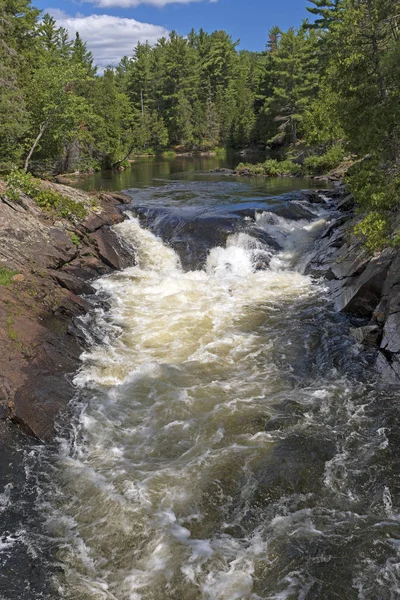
x=146, y=171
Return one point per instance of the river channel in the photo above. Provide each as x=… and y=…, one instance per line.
x=228, y=439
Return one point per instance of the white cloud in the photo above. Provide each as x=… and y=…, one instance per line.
x=109, y=38
x=133, y=3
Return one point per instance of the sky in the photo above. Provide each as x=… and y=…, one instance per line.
x=112, y=28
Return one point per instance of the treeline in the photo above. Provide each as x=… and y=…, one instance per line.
x=192, y=93
x=326, y=90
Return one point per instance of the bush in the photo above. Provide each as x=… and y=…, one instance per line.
x=375, y=229
x=320, y=165
x=272, y=168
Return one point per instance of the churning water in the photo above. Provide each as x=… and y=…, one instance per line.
x=229, y=440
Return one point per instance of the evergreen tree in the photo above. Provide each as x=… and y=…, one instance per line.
x=294, y=64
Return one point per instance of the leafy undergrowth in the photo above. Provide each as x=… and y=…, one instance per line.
x=6, y=275
x=312, y=165
x=48, y=199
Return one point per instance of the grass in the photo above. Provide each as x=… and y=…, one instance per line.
x=75, y=239
x=6, y=275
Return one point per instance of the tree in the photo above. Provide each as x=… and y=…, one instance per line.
x=294, y=65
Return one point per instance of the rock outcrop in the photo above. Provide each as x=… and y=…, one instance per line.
x=363, y=285
x=51, y=262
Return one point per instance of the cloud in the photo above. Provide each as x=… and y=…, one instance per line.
x=133, y=3
x=109, y=38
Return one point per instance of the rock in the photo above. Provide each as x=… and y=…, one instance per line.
x=312, y=196
x=360, y=295
x=389, y=367
x=368, y=335
x=18, y=278
x=37, y=406
x=113, y=250
x=346, y=203
x=223, y=170
x=73, y=283
x=36, y=316
x=391, y=333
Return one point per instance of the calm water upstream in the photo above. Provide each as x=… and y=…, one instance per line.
x=229, y=440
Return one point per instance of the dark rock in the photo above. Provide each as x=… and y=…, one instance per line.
x=346, y=203
x=360, y=295
x=389, y=367
x=312, y=196
x=113, y=250
x=70, y=304
x=223, y=170
x=391, y=333
x=36, y=406
x=73, y=283
x=368, y=335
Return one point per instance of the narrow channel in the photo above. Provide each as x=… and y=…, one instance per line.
x=229, y=440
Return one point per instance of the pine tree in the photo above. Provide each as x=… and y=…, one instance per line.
x=295, y=82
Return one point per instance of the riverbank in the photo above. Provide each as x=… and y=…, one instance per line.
x=363, y=285
x=46, y=262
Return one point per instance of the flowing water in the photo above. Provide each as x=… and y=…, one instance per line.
x=229, y=438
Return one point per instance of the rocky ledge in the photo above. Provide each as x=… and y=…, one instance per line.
x=361, y=284
x=49, y=262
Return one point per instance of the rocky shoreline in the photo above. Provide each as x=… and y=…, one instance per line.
x=53, y=261
x=362, y=285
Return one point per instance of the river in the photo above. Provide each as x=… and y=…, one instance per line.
x=228, y=439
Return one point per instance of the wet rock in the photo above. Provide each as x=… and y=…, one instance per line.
x=37, y=406
x=346, y=203
x=391, y=333
x=37, y=308
x=71, y=282
x=388, y=365
x=312, y=197
x=368, y=335
x=113, y=250
x=360, y=295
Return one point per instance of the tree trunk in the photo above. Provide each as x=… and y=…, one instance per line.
x=375, y=54
x=35, y=143
x=119, y=162
x=294, y=131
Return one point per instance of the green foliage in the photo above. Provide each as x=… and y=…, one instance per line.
x=18, y=181
x=323, y=164
x=75, y=239
x=272, y=168
x=63, y=206
x=374, y=228
x=6, y=275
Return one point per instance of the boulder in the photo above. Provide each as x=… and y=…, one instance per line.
x=360, y=295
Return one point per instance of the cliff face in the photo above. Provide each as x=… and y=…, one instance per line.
x=364, y=286
x=48, y=264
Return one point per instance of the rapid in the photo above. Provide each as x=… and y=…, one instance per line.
x=229, y=439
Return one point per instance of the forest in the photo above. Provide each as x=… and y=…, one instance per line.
x=321, y=94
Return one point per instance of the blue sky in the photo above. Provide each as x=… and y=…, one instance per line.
x=112, y=27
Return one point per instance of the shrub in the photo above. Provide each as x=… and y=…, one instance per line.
x=375, y=230
x=319, y=165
